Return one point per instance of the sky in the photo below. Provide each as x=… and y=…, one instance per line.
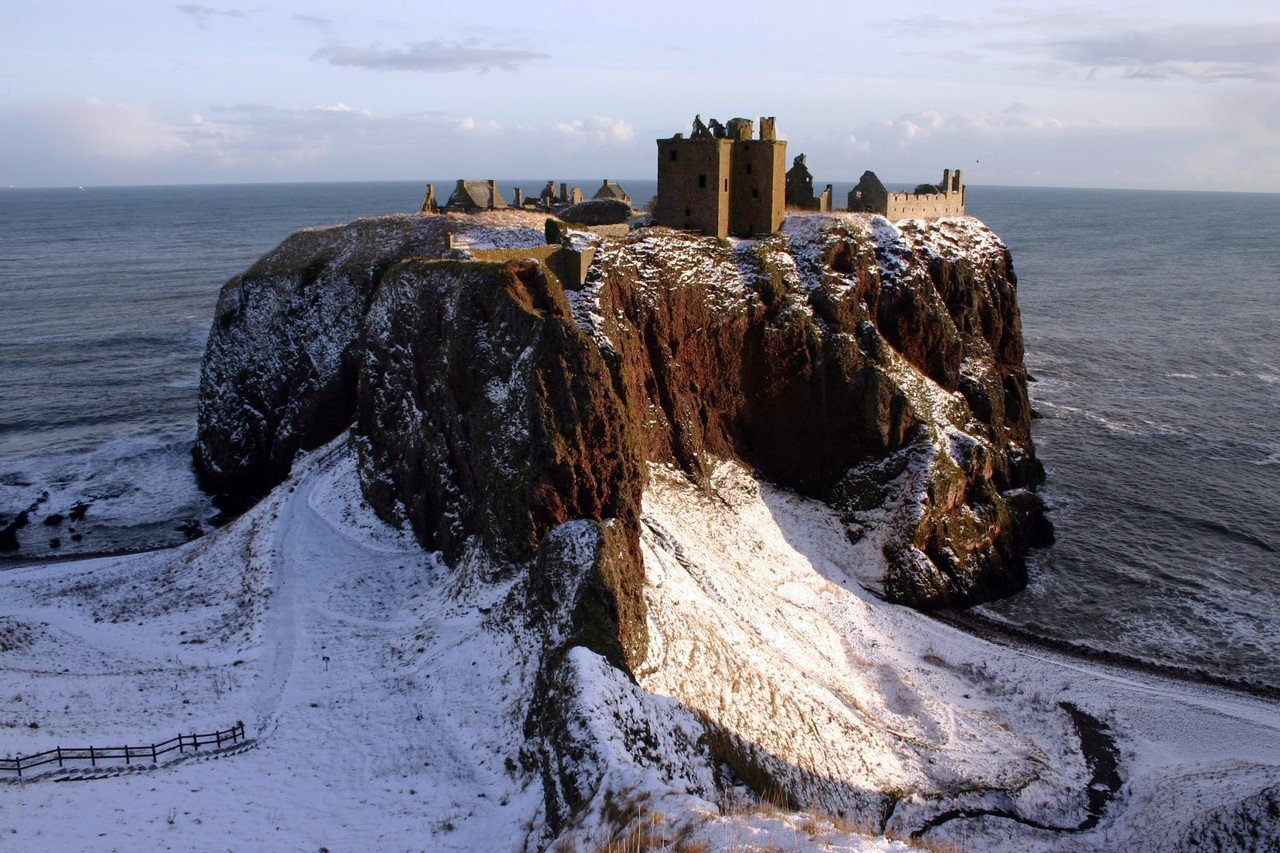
x=1175, y=95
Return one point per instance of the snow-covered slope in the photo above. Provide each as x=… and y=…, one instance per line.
x=399, y=705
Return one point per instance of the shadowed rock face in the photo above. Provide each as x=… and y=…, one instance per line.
x=873, y=367
x=280, y=365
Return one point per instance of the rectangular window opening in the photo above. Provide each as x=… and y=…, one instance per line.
x=755, y=193
x=675, y=154
x=702, y=181
x=726, y=184
x=748, y=168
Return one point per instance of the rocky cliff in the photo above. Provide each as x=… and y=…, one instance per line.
x=873, y=367
x=517, y=427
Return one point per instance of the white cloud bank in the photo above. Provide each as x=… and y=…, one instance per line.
x=1017, y=146
x=92, y=141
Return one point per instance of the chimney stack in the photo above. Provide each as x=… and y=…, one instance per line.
x=519, y=197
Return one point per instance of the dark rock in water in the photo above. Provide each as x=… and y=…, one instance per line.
x=191, y=529
x=9, y=533
x=78, y=510
x=230, y=507
x=598, y=211
x=53, y=520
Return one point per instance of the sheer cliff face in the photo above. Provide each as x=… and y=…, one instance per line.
x=280, y=365
x=873, y=367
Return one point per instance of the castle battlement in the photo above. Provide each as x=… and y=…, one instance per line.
x=927, y=201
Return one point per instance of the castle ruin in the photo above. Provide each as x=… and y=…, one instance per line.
x=926, y=202
x=611, y=190
x=721, y=180
x=800, y=188
x=471, y=196
x=724, y=181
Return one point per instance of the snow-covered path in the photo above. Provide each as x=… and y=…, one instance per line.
x=359, y=681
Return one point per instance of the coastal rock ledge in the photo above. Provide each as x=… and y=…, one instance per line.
x=877, y=368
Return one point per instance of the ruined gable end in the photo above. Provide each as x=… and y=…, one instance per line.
x=473, y=196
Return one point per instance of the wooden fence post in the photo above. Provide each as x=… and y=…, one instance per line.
x=92, y=759
x=59, y=756
x=155, y=758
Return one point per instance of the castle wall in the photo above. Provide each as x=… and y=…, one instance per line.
x=870, y=196
x=928, y=206
x=567, y=265
x=693, y=184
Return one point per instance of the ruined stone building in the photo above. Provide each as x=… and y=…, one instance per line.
x=608, y=189
x=800, y=188
x=721, y=180
x=926, y=202
x=471, y=196
x=550, y=199
x=429, y=204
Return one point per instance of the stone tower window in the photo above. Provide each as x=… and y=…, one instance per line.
x=755, y=193
x=726, y=184
x=688, y=212
x=748, y=168
x=702, y=182
x=675, y=155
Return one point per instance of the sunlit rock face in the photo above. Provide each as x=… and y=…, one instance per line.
x=872, y=366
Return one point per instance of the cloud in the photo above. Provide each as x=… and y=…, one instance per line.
x=1018, y=145
x=1099, y=44
x=1204, y=52
x=100, y=142
x=428, y=56
x=324, y=24
x=597, y=130
x=205, y=14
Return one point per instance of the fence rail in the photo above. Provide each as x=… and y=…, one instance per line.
x=109, y=754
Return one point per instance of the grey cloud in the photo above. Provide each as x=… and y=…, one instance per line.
x=204, y=14
x=1206, y=52
x=428, y=56
x=314, y=21
x=1097, y=44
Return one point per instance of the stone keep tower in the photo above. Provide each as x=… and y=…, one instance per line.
x=721, y=181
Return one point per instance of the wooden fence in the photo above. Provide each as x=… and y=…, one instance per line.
x=152, y=752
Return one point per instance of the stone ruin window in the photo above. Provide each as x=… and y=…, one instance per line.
x=702, y=182
x=688, y=212
x=755, y=193
x=675, y=155
x=726, y=184
x=748, y=168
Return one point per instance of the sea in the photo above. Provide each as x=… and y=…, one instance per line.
x=1151, y=325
